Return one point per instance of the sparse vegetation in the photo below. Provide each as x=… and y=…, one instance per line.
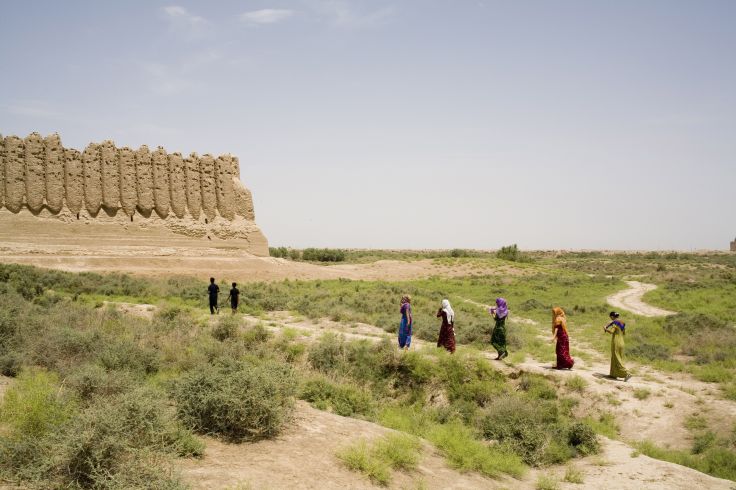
x=574, y=475
x=54, y=326
x=547, y=482
x=641, y=393
x=576, y=384
x=392, y=452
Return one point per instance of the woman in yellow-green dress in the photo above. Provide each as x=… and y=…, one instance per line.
x=617, y=329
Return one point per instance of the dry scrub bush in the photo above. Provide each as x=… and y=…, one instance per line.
x=236, y=400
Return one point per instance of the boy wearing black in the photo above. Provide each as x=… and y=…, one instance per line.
x=234, y=298
x=213, y=290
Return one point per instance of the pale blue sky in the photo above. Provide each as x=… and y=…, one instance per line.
x=409, y=124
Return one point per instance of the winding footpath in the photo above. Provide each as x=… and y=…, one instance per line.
x=631, y=300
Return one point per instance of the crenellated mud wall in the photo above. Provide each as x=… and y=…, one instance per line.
x=39, y=173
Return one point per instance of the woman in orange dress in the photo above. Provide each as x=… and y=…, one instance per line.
x=559, y=335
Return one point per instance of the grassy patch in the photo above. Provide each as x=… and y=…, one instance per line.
x=718, y=460
x=642, y=393
x=547, y=482
x=574, y=475
x=392, y=452
x=576, y=384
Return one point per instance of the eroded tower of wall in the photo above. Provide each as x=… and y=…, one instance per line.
x=39, y=174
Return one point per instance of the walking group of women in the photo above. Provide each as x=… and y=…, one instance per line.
x=500, y=313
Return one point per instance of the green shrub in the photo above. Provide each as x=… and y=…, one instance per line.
x=103, y=440
x=35, y=405
x=537, y=386
x=526, y=426
x=512, y=253
x=226, y=328
x=91, y=380
x=236, y=400
x=583, y=438
x=122, y=354
x=576, y=383
x=323, y=255
x=394, y=451
x=342, y=399
x=574, y=475
x=401, y=451
x=547, y=482
x=467, y=454
x=359, y=458
x=116, y=442
x=328, y=354
x=280, y=252
x=649, y=352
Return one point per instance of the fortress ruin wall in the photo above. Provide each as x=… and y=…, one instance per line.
x=39, y=174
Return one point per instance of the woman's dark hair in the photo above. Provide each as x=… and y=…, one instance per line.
x=613, y=314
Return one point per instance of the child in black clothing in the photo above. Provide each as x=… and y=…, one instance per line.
x=234, y=297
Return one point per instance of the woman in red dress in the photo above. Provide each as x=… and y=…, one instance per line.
x=559, y=334
x=447, y=330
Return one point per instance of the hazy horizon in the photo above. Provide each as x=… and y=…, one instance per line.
x=414, y=124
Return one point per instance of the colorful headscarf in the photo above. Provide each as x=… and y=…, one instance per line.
x=405, y=299
x=559, y=319
x=502, y=310
x=448, y=311
x=615, y=317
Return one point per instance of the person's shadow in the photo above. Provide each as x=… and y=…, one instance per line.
x=603, y=376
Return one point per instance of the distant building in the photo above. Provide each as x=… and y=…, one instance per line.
x=733, y=246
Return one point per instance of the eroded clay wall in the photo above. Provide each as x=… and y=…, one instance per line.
x=73, y=180
x=15, y=186
x=35, y=175
x=177, y=185
x=54, y=178
x=37, y=172
x=128, y=189
x=194, y=189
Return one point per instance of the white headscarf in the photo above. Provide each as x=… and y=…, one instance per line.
x=448, y=311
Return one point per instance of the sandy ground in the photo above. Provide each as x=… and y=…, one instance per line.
x=106, y=248
x=631, y=300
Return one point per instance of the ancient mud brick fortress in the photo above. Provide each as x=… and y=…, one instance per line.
x=733, y=245
x=196, y=196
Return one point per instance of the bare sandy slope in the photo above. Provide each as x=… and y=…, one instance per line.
x=304, y=457
x=631, y=300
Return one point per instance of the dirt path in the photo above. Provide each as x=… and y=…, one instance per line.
x=631, y=300
x=652, y=405
x=617, y=468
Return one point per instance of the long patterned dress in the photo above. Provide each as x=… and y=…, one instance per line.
x=405, y=327
x=617, y=352
x=447, y=333
x=498, y=337
x=562, y=349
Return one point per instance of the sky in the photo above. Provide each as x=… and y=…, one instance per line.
x=409, y=124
